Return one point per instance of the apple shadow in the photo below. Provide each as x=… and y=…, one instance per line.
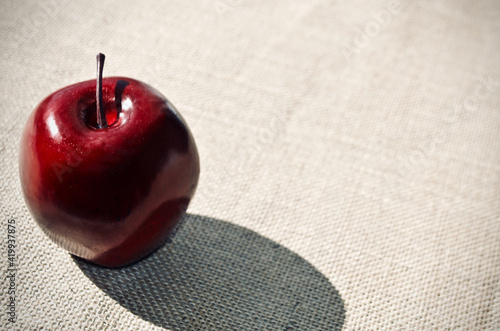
x=214, y=275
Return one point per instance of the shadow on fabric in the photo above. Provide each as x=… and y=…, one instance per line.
x=215, y=275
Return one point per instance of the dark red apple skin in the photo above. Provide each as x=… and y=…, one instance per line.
x=110, y=195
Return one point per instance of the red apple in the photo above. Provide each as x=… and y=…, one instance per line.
x=108, y=178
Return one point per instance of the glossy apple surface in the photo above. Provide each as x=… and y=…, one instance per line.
x=109, y=195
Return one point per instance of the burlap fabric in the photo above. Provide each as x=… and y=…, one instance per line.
x=350, y=163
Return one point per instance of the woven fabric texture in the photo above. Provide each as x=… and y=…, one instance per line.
x=350, y=163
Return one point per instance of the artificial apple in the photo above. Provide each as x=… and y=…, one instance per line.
x=108, y=167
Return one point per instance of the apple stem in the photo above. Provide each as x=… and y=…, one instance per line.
x=101, y=115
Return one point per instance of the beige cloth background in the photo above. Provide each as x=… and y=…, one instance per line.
x=350, y=163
